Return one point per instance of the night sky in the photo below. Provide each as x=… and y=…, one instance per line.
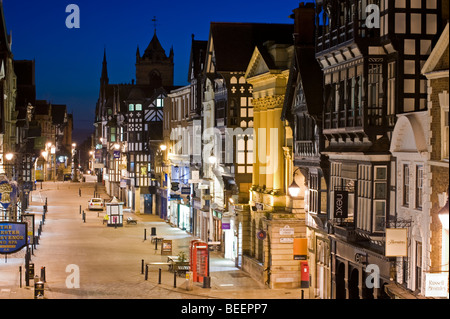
x=68, y=61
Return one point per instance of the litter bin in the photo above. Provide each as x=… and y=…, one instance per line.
x=153, y=231
x=39, y=290
x=207, y=282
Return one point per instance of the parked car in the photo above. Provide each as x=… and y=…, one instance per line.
x=95, y=203
x=67, y=177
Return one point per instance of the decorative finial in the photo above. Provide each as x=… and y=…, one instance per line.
x=154, y=23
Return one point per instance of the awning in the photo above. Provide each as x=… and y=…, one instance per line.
x=395, y=291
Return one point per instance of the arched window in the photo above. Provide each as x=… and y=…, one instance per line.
x=155, y=79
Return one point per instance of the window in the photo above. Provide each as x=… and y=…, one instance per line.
x=418, y=265
x=406, y=185
x=419, y=186
x=113, y=134
x=380, y=196
x=364, y=196
x=375, y=92
x=391, y=94
x=159, y=102
x=443, y=97
x=131, y=107
x=314, y=193
x=138, y=107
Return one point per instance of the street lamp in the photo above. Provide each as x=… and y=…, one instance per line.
x=294, y=189
x=163, y=147
x=9, y=156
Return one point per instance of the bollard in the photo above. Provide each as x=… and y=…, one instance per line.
x=146, y=272
x=84, y=217
x=159, y=277
x=43, y=274
x=175, y=279
x=20, y=276
x=142, y=266
x=189, y=281
x=156, y=243
x=145, y=234
x=80, y=209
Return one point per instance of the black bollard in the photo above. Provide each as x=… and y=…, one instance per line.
x=145, y=234
x=20, y=276
x=80, y=209
x=142, y=267
x=159, y=276
x=146, y=272
x=156, y=243
x=43, y=274
x=175, y=279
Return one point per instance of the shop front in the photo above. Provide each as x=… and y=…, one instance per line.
x=184, y=219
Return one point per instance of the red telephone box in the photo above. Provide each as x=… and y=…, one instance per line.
x=304, y=276
x=198, y=260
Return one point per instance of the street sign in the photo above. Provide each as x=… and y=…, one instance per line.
x=13, y=237
x=185, y=190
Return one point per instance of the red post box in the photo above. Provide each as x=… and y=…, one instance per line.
x=304, y=276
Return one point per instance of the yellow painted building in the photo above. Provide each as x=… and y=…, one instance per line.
x=274, y=219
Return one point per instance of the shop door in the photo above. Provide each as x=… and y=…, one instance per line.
x=147, y=203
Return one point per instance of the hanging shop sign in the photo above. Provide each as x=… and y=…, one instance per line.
x=116, y=154
x=13, y=237
x=261, y=235
x=396, y=242
x=7, y=193
x=340, y=204
x=29, y=220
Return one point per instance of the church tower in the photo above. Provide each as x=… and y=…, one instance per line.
x=154, y=68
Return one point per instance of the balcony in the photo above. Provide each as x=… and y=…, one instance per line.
x=352, y=31
x=345, y=231
x=305, y=149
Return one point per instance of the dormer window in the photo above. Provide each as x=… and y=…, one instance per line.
x=131, y=107
x=138, y=107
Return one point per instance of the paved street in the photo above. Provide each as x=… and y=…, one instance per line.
x=109, y=259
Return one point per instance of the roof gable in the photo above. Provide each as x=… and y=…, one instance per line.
x=232, y=44
x=437, y=53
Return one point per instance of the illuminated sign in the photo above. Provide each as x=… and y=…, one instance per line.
x=13, y=237
x=396, y=242
x=7, y=194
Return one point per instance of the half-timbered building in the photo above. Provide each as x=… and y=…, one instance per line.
x=371, y=64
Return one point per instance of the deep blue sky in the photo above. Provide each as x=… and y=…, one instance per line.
x=68, y=61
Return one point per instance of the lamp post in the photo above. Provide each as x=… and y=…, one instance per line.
x=294, y=189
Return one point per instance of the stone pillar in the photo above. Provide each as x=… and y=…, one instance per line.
x=256, y=125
